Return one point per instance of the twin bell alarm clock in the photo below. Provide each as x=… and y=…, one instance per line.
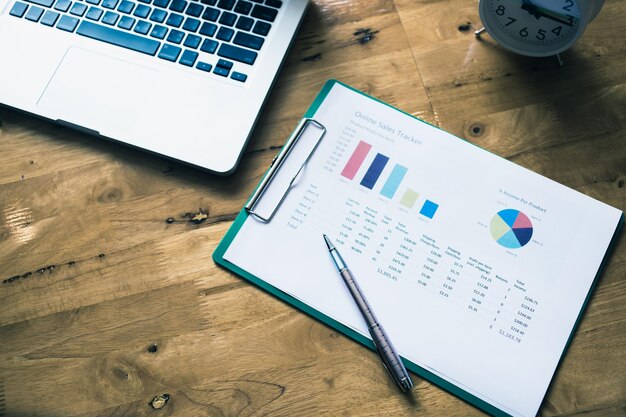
x=537, y=27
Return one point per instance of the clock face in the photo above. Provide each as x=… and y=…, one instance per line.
x=540, y=25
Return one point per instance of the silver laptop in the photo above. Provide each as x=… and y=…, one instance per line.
x=181, y=78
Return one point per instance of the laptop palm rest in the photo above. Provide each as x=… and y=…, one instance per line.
x=93, y=91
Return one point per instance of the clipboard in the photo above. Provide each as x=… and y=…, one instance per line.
x=316, y=132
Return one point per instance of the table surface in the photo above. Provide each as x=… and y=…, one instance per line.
x=109, y=296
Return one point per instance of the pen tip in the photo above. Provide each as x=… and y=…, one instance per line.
x=328, y=242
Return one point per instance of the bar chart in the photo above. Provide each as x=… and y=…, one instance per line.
x=371, y=176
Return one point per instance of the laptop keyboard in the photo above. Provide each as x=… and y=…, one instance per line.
x=180, y=31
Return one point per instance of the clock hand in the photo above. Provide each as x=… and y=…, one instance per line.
x=541, y=12
x=530, y=8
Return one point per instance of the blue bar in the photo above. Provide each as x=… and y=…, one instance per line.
x=429, y=209
x=373, y=172
x=394, y=180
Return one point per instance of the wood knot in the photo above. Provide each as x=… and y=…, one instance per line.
x=111, y=195
x=365, y=35
x=465, y=27
x=477, y=130
x=159, y=401
x=311, y=58
x=120, y=373
x=198, y=217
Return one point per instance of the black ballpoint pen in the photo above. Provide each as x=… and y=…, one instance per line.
x=391, y=359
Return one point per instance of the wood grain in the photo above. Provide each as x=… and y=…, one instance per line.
x=108, y=294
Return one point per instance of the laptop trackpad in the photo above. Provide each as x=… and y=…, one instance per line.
x=98, y=92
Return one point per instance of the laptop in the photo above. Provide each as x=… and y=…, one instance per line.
x=181, y=78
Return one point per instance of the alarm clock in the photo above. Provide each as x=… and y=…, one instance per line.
x=537, y=27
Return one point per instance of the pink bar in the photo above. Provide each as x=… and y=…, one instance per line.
x=357, y=158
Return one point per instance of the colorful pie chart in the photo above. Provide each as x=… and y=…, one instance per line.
x=511, y=228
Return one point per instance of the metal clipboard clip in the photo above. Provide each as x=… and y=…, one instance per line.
x=285, y=169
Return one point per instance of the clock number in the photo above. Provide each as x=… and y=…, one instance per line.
x=500, y=10
x=541, y=34
x=568, y=5
x=524, y=32
x=570, y=19
x=557, y=30
x=511, y=21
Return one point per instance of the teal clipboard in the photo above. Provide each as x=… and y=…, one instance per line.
x=218, y=258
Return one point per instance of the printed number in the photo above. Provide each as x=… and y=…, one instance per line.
x=500, y=10
x=541, y=34
x=524, y=32
x=511, y=21
x=557, y=30
x=568, y=5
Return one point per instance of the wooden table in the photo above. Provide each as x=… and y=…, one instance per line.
x=109, y=296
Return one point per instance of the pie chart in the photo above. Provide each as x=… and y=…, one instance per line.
x=511, y=228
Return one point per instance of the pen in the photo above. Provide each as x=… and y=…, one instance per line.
x=391, y=359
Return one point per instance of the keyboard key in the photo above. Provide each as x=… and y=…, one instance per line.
x=34, y=13
x=264, y=13
x=67, y=23
x=78, y=9
x=225, y=64
x=161, y=3
x=208, y=29
x=175, y=20
x=169, y=52
x=158, y=32
x=192, y=41
x=110, y=18
x=44, y=3
x=274, y=3
x=175, y=36
x=188, y=58
x=244, y=23
x=49, y=18
x=142, y=11
x=203, y=66
x=178, y=5
x=145, y=1
x=226, y=4
x=209, y=46
x=239, y=76
x=126, y=6
x=243, y=7
x=94, y=13
x=94, y=2
x=237, y=54
x=262, y=28
x=143, y=27
x=225, y=34
x=126, y=22
x=191, y=24
x=194, y=10
x=118, y=37
x=18, y=9
x=208, y=2
x=210, y=14
x=62, y=5
x=158, y=15
x=221, y=71
x=248, y=40
x=109, y=4
x=228, y=19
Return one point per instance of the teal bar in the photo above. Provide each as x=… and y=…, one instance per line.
x=394, y=180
